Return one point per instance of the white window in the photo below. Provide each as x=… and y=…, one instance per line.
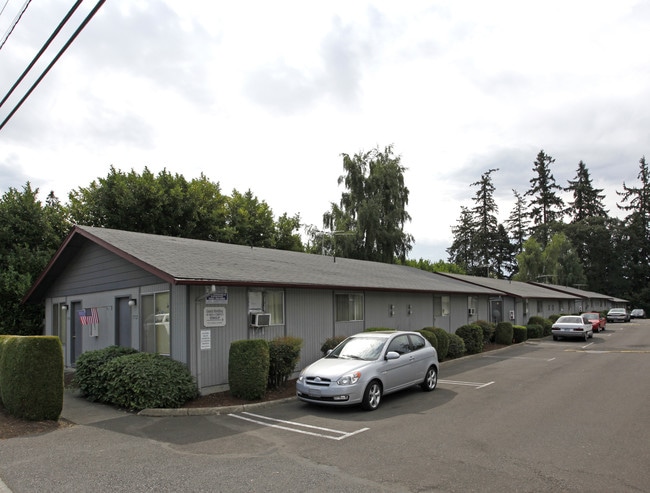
x=441, y=306
x=59, y=319
x=268, y=301
x=155, y=329
x=349, y=307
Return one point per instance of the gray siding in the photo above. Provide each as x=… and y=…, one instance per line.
x=96, y=269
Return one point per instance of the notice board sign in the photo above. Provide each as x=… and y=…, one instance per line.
x=214, y=316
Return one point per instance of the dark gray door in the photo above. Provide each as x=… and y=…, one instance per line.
x=123, y=322
x=77, y=333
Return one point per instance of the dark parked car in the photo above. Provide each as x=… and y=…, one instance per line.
x=366, y=366
x=618, y=315
x=637, y=313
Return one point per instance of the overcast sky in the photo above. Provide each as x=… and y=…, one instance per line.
x=267, y=95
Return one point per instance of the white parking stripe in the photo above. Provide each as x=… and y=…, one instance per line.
x=469, y=384
x=519, y=357
x=338, y=435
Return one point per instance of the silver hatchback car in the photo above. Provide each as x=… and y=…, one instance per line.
x=366, y=366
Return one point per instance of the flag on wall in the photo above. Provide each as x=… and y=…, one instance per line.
x=90, y=318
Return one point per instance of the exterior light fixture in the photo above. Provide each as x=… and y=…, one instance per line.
x=133, y=302
x=64, y=307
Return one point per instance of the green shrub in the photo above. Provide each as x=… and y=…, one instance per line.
x=546, y=323
x=331, y=343
x=31, y=377
x=488, y=331
x=89, y=378
x=248, y=368
x=443, y=342
x=145, y=380
x=284, y=353
x=456, y=347
x=430, y=336
x=503, y=333
x=535, y=331
x=472, y=336
x=519, y=333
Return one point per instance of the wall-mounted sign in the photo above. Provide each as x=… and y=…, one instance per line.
x=206, y=342
x=217, y=297
x=214, y=316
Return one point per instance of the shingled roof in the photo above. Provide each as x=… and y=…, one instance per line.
x=186, y=261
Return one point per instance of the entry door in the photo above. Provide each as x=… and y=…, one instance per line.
x=123, y=322
x=76, y=348
x=496, y=311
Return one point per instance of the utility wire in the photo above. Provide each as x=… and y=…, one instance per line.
x=4, y=7
x=16, y=21
x=41, y=51
x=54, y=60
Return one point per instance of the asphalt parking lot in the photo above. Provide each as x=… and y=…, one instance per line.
x=541, y=416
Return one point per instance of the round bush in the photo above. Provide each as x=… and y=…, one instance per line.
x=144, y=380
x=284, y=353
x=88, y=375
x=430, y=336
x=443, y=342
x=456, y=346
x=519, y=333
x=503, y=333
x=488, y=331
x=535, y=331
x=472, y=336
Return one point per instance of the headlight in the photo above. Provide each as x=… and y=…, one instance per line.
x=350, y=378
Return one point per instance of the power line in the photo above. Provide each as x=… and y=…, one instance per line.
x=41, y=51
x=54, y=60
x=15, y=22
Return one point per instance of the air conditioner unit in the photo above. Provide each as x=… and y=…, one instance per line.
x=260, y=319
x=471, y=311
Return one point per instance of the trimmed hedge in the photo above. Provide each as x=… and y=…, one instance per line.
x=488, y=331
x=503, y=333
x=443, y=342
x=519, y=333
x=456, y=346
x=284, y=353
x=145, y=380
x=31, y=376
x=248, y=368
x=535, y=331
x=430, y=336
x=472, y=336
x=89, y=377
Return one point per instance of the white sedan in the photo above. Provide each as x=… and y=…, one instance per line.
x=572, y=326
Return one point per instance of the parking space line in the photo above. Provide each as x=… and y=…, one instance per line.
x=519, y=357
x=266, y=421
x=477, y=385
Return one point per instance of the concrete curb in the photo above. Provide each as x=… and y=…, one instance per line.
x=209, y=411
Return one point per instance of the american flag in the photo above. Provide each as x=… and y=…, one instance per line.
x=89, y=316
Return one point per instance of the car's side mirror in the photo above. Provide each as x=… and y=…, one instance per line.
x=392, y=355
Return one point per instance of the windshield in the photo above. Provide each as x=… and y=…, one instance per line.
x=365, y=348
x=590, y=316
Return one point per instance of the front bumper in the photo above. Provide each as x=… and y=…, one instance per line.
x=333, y=395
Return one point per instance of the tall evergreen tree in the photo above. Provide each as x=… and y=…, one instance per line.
x=368, y=222
x=517, y=223
x=587, y=200
x=461, y=252
x=636, y=201
x=546, y=207
x=485, y=221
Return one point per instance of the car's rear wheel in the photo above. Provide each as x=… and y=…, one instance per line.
x=372, y=396
x=430, y=379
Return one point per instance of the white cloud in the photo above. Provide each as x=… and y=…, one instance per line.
x=266, y=96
